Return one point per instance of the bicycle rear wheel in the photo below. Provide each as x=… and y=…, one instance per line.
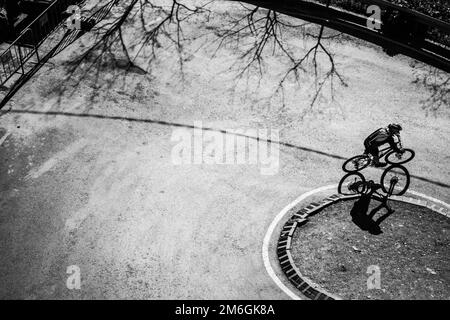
x=356, y=163
x=352, y=183
x=400, y=158
x=398, y=177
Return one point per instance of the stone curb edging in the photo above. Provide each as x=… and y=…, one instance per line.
x=423, y=203
x=300, y=217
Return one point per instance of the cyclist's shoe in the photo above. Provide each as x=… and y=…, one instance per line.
x=379, y=164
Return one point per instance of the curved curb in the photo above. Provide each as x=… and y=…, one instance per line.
x=300, y=217
x=267, y=238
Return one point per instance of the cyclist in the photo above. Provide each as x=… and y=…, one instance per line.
x=380, y=137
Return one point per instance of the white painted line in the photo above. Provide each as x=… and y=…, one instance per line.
x=265, y=247
x=279, y=217
x=3, y=139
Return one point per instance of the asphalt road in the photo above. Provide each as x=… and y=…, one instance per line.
x=101, y=191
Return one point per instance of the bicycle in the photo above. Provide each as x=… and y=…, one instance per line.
x=362, y=161
x=395, y=181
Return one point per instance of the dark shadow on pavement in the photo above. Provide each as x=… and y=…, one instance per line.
x=174, y=124
x=366, y=221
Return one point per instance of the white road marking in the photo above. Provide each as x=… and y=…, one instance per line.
x=265, y=247
x=49, y=164
x=5, y=136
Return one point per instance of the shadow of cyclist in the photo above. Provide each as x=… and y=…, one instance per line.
x=359, y=214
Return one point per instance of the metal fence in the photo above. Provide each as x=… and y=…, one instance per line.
x=13, y=59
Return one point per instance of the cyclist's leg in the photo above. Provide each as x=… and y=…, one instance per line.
x=370, y=149
x=366, y=147
x=374, y=151
x=376, y=157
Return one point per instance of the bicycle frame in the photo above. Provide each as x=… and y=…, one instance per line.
x=384, y=151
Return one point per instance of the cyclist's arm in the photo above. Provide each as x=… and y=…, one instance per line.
x=397, y=147
x=399, y=142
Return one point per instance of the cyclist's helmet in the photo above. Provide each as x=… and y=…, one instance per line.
x=395, y=128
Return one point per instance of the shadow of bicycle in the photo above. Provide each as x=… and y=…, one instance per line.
x=364, y=219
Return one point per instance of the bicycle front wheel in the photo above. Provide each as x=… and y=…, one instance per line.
x=397, y=178
x=400, y=158
x=356, y=163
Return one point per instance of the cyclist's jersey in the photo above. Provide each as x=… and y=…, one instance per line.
x=379, y=137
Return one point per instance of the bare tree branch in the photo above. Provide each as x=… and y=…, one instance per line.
x=257, y=33
x=437, y=82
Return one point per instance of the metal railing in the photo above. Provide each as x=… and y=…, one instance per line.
x=51, y=47
x=13, y=59
x=428, y=50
